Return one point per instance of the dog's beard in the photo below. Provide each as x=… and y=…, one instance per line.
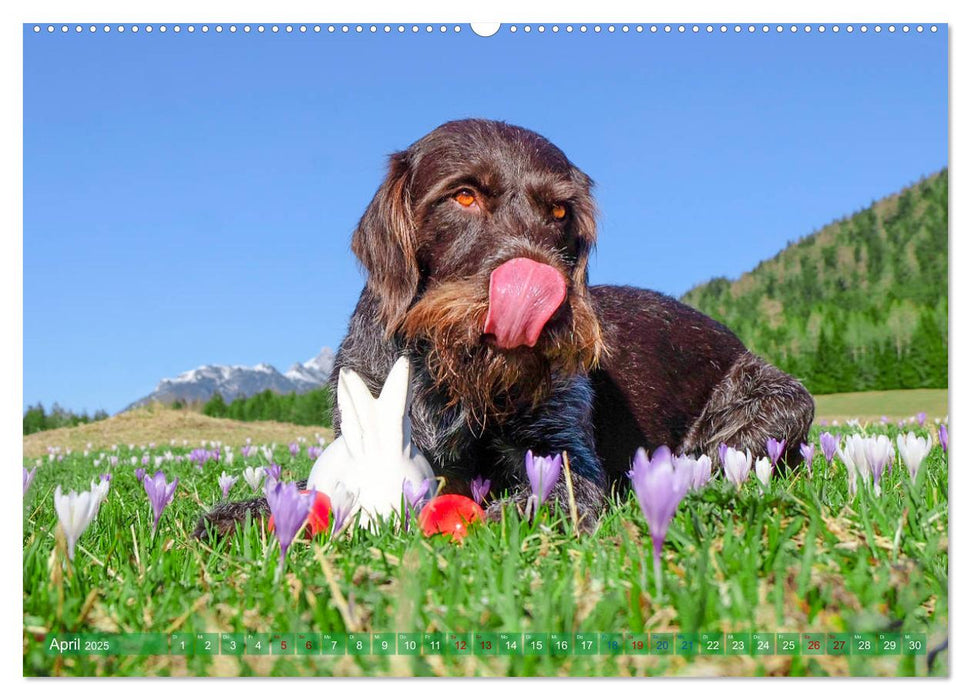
x=488, y=382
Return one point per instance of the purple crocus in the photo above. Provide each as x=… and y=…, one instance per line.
x=294, y=449
x=289, y=508
x=140, y=474
x=28, y=478
x=808, y=452
x=828, y=444
x=921, y=417
x=774, y=448
x=145, y=460
x=722, y=448
x=415, y=494
x=698, y=468
x=942, y=436
x=659, y=487
x=272, y=472
x=313, y=451
x=160, y=494
x=199, y=456
x=226, y=482
x=247, y=450
x=543, y=473
x=480, y=489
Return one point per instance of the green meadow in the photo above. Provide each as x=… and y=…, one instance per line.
x=801, y=558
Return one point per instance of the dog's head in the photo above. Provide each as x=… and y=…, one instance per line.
x=476, y=247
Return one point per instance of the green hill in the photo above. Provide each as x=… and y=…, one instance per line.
x=859, y=305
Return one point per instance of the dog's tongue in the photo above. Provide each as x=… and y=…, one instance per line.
x=523, y=295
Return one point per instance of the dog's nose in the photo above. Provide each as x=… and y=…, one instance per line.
x=523, y=296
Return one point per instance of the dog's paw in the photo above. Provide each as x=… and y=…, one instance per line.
x=222, y=520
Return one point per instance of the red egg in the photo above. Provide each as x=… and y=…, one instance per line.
x=450, y=515
x=318, y=520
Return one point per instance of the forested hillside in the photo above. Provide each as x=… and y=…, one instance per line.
x=861, y=304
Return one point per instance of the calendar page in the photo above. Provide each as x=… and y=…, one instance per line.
x=423, y=348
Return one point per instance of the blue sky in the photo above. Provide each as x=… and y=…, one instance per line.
x=189, y=199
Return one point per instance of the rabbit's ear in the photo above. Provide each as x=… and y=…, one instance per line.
x=394, y=405
x=357, y=411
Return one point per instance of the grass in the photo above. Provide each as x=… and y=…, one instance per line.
x=803, y=557
x=873, y=405
x=161, y=425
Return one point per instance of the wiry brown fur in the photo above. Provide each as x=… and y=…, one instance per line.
x=490, y=383
x=615, y=368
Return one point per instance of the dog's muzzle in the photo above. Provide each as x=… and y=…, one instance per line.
x=523, y=296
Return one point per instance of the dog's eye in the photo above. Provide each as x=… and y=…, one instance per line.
x=465, y=197
x=559, y=212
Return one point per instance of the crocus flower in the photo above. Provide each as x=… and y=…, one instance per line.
x=737, y=465
x=290, y=509
x=721, y=453
x=294, y=449
x=318, y=519
x=853, y=455
x=272, y=474
x=699, y=468
x=247, y=450
x=226, y=483
x=253, y=477
x=414, y=494
x=145, y=460
x=480, y=489
x=774, y=448
x=879, y=453
x=942, y=436
x=140, y=474
x=828, y=444
x=343, y=503
x=921, y=417
x=808, y=452
x=29, y=478
x=659, y=487
x=543, y=473
x=913, y=451
x=75, y=511
x=99, y=491
x=113, y=461
x=267, y=452
x=160, y=494
x=763, y=472
x=313, y=451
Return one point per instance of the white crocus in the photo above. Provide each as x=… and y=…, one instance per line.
x=879, y=453
x=254, y=477
x=853, y=455
x=913, y=451
x=99, y=492
x=763, y=471
x=737, y=465
x=75, y=511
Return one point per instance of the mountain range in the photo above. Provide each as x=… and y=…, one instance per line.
x=237, y=381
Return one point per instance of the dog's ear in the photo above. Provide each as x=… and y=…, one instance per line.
x=585, y=223
x=385, y=243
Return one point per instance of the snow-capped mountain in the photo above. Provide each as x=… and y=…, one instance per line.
x=237, y=381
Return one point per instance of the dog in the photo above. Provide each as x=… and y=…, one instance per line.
x=476, y=248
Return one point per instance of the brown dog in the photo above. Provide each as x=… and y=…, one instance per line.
x=476, y=249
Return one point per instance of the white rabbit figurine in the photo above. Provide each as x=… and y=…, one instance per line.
x=373, y=455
